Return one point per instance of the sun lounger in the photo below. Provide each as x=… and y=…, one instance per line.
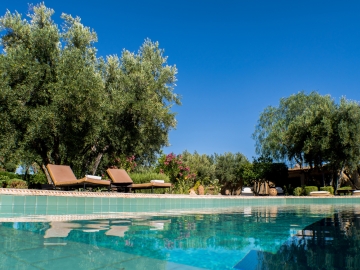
x=122, y=181
x=247, y=192
x=63, y=177
x=320, y=193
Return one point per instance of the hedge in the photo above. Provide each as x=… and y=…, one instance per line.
x=309, y=189
x=329, y=188
x=299, y=191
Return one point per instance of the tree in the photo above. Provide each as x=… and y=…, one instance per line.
x=311, y=129
x=202, y=165
x=61, y=104
x=229, y=168
x=264, y=170
x=140, y=96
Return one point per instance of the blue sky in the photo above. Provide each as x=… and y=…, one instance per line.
x=234, y=57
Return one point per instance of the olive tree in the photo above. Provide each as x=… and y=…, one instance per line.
x=61, y=104
x=311, y=129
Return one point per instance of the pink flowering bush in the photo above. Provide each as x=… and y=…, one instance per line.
x=174, y=167
x=126, y=163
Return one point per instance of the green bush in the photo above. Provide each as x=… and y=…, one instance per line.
x=288, y=190
x=3, y=183
x=139, y=178
x=10, y=167
x=38, y=178
x=299, y=191
x=309, y=189
x=329, y=188
x=9, y=175
x=17, y=183
x=345, y=188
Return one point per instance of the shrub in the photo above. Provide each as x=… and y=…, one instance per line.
x=329, y=188
x=17, y=183
x=288, y=190
x=126, y=163
x=345, y=188
x=10, y=167
x=139, y=178
x=9, y=175
x=38, y=178
x=299, y=191
x=173, y=166
x=309, y=189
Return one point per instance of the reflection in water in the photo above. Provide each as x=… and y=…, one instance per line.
x=298, y=237
x=331, y=243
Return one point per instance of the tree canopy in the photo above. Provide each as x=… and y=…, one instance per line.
x=313, y=130
x=61, y=104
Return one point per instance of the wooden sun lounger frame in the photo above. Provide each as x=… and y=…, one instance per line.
x=122, y=181
x=62, y=176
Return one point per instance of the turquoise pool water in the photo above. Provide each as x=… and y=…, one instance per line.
x=245, y=237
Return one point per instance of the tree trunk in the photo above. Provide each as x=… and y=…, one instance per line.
x=98, y=159
x=47, y=174
x=96, y=163
x=338, y=177
x=354, y=179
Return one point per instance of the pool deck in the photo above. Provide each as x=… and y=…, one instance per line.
x=57, y=193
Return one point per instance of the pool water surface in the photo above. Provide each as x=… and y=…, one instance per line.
x=274, y=237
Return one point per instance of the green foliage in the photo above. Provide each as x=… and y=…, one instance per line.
x=202, y=165
x=38, y=178
x=329, y=188
x=229, y=167
x=264, y=170
x=139, y=178
x=215, y=186
x=288, y=190
x=196, y=186
x=345, y=188
x=8, y=175
x=299, y=191
x=308, y=189
x=61, y=104
x=311, y=129
x=17, y=183
x=173, y=166
x=10, y=167
x=126, y=163
x=6, y=182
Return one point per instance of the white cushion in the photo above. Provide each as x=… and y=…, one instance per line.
x=157, y=181
x=93, y=177
x=320, y=192
x=247, y=189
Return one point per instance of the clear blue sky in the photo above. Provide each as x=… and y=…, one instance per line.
x=234, y=57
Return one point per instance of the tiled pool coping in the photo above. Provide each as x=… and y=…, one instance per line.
x=59, y=205
x=80, y=194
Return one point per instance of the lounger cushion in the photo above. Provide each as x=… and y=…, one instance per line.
x=89, y=181
x=63, y=175
x=149, y=185
x=119, y=176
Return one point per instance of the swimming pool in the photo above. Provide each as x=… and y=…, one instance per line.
x=291, y=236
